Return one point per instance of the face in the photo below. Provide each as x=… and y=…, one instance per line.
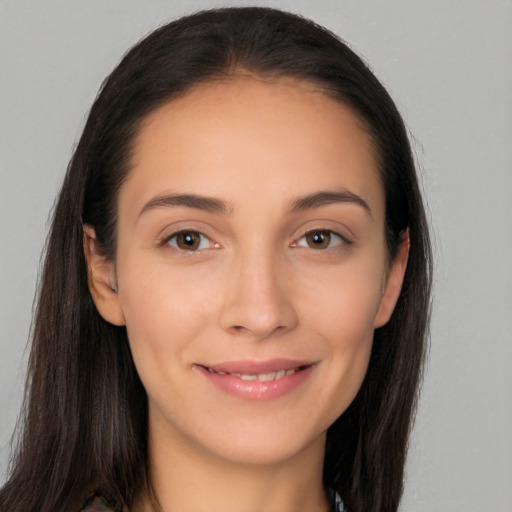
x=251, y=266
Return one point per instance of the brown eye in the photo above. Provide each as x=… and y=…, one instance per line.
x=318, y=239
x=189, y=241
x=322, y=239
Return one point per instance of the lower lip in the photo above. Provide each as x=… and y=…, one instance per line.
x=255, y=389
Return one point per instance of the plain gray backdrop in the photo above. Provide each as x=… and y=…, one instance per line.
x=448, y=65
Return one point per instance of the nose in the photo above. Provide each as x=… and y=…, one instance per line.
x=258, y=301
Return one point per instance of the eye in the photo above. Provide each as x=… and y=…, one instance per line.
x=189, y=241
x=321, y=239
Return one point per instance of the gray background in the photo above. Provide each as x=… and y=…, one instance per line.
x=447, y=63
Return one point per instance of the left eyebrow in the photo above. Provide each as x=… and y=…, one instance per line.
x=325, y=198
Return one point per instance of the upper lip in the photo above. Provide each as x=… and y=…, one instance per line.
x=252, y=367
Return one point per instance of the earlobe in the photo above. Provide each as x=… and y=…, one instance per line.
x=101, y=279
x=393, y=284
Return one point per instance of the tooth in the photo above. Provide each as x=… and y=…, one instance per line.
x=221, y=373
x=264, y=377
x=248, y=377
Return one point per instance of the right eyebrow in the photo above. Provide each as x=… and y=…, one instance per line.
x=199, y=202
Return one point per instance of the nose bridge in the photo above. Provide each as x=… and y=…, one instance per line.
x=257, y=300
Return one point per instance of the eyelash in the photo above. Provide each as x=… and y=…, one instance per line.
x=190, y=236
x=190, y=233
x=323, y=234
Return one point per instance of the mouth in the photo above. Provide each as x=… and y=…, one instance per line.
x=257, y=380
x=261, y=377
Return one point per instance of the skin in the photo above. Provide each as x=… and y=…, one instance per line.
x=257, y=287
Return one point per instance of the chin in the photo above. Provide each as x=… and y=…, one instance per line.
x=266, y=445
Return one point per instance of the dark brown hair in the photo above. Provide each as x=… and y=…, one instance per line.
x=84, y=424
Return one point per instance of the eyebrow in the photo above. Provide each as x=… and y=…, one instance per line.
x=205, y=203
x=325, y=198
x=214, y=205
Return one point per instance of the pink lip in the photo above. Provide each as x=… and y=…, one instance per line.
x=255, y=389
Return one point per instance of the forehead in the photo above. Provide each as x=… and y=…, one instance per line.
x=275, y=138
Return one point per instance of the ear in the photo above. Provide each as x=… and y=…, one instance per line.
x=101, y=279
x=393, y=284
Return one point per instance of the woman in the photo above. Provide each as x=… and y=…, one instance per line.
x=233, y=309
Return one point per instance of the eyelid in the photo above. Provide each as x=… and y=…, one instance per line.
x=165, y=241
x=338, y=240
x=343, y=240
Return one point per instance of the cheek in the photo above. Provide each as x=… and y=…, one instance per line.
x=351, y=312
x=341, y=314
x=344, y=302
x=164, y=311
x=348, y=327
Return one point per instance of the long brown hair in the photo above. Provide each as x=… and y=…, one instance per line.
x=84, y=424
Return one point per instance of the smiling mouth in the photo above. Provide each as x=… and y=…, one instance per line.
x=258, y=380
x=262, y=377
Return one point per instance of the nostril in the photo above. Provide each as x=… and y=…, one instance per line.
x=237, y=329
x=263, y=333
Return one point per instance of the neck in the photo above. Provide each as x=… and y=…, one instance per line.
x=184, y=479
